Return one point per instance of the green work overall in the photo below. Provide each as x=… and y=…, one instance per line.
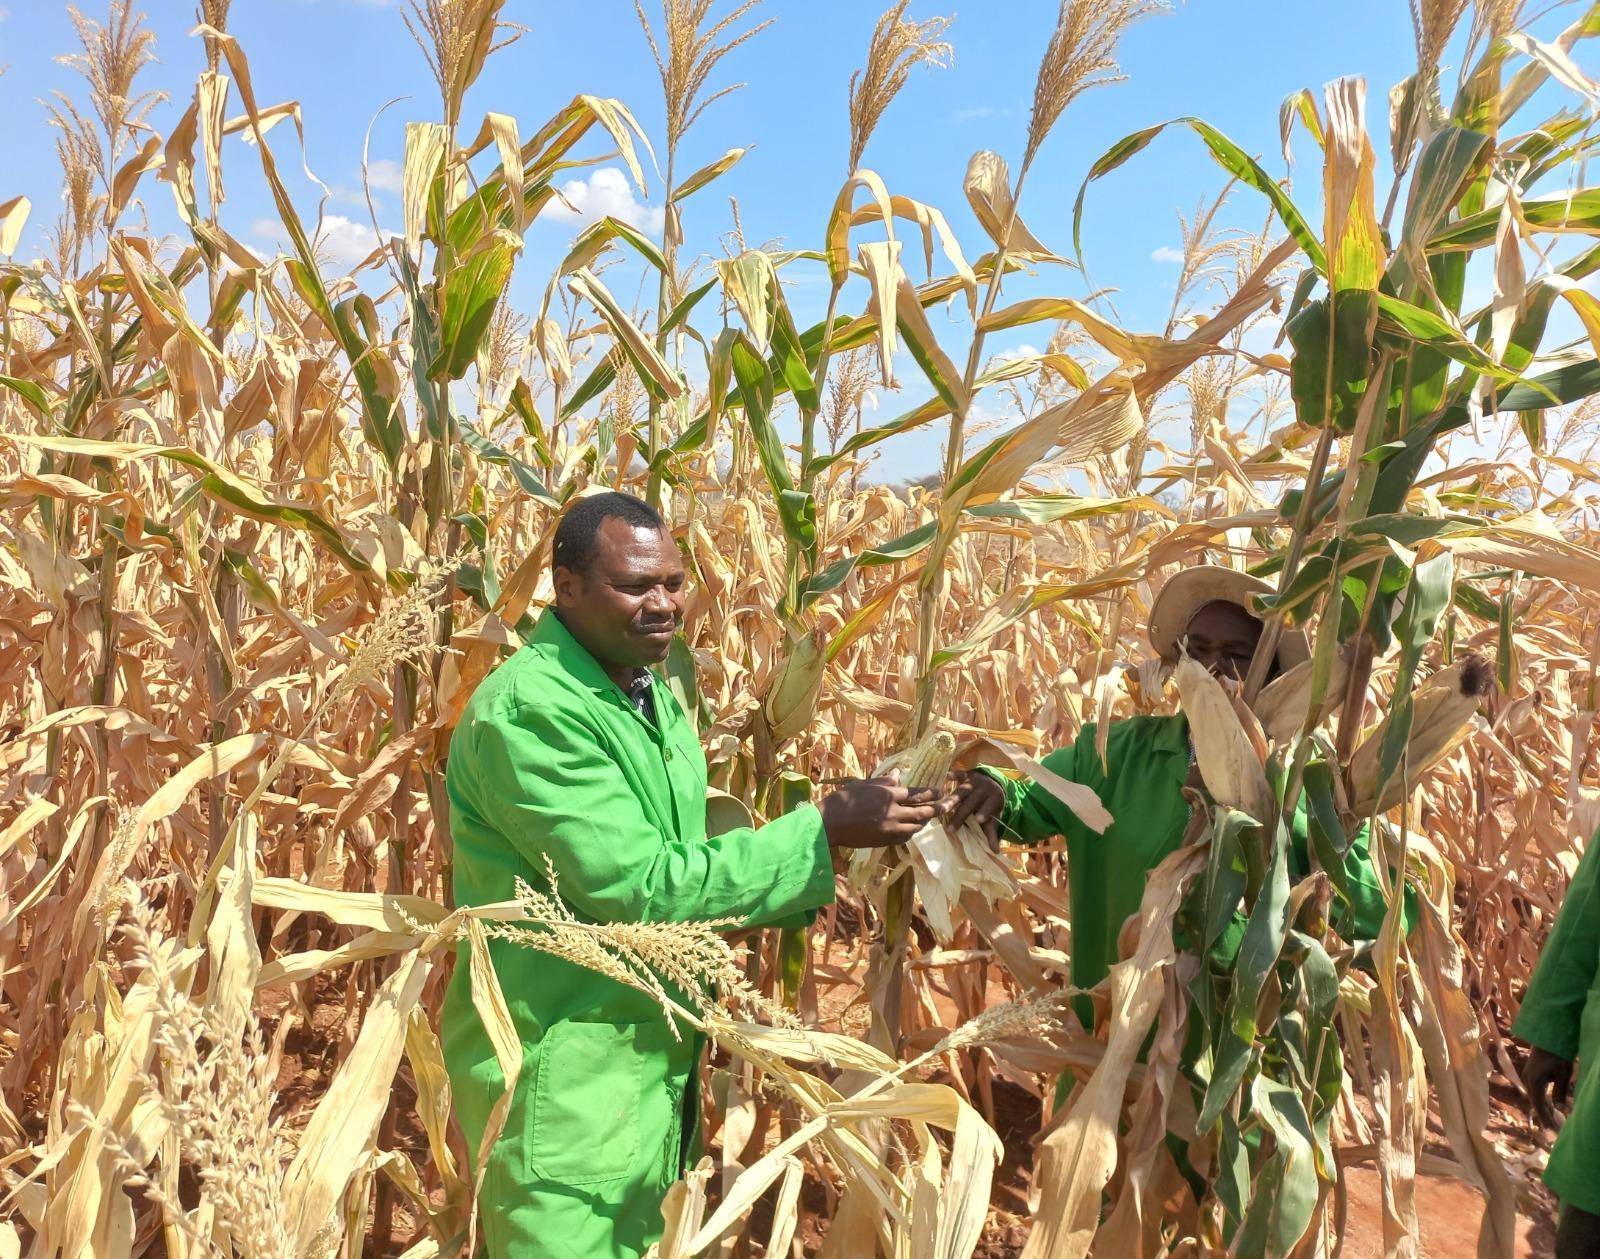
x=1141, y=786
x=1561, y=1015
x=553, y=761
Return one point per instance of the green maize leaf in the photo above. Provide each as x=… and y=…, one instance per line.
x=1314, y=380
x=892, y=552
x=1506, y=649
x=526, y=475
x=1230, y=157
x=912, y=320
x=382, y=422
x=1318, y=979
x=1578, y=211
x=467, y=301
x=655, y=374
x=1451, y=159
x=797, y=509
x=1569, y=383
x=1233, y=1057
x=933, y=409
x=30, y=393
x=521, y=402
x=1253, y=1235
x=1420, y=386
x=754, y=377
x=1225, y=874
x=1293, y=1200
x=592, y=241
x=1323, y=827
x=433, y=401
x=1232, y=1186
x=1263, y=941
x=1427, y=597
x=683, y=681
x=1431, y=329
x=605, y=373
x=1309, y=583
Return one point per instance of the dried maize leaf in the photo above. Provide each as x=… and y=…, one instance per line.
x=1283, y=703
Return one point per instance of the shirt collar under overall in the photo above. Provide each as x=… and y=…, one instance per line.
x=575, y=658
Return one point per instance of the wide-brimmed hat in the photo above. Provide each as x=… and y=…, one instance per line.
x=1189, y=591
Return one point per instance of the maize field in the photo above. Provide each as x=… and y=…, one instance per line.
x=265, y=524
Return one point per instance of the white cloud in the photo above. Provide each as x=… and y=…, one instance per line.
x=5, y=13
x=386, y=174
x=979, y=113
x=1167, y=254
x=607, y=191
x=1021, y=351
x=342, y=241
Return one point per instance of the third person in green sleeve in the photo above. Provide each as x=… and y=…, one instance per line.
x=1560, y=1018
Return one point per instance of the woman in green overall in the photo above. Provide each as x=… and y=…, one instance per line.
x=570, y=753
x=1560, y=1019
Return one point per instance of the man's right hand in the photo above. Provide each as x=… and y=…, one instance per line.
x=876, y=812
x=1547, y=1075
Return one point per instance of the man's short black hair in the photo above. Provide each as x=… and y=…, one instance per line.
x=579, y=530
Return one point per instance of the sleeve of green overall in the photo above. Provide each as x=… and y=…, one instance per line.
x=1360, y=916
x=1552, y=1011
x=1031, y=813
x=559, y=797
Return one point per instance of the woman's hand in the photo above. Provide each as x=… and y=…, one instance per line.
x=980, y=798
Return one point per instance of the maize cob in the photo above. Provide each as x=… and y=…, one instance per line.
x=946, y=863
x=1442, y=713
x=928, y=761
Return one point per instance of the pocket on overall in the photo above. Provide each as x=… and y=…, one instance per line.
x=583, y=1125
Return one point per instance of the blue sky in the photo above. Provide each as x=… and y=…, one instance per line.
x=1231, y=62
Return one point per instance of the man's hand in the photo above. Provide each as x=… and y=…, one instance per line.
x=876, y=812
x=979, y=797
x=1547, y=1075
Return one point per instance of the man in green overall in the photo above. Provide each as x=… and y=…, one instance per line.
x=572, y=752
x=1560, y=1019
x=1148, y=762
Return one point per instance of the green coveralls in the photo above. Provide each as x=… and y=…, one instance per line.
x=1147, y=764
x=1561, y=1015
x=552, y=760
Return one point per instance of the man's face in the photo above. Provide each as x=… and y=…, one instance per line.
x=1223, y=636
x=629, y=604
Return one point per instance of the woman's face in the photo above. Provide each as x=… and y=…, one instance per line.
x=1222, y=636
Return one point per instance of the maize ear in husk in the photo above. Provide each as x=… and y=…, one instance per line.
x=1443, y=711
x=796, y=686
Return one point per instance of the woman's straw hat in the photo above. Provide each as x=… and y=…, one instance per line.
x=1193, y=588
